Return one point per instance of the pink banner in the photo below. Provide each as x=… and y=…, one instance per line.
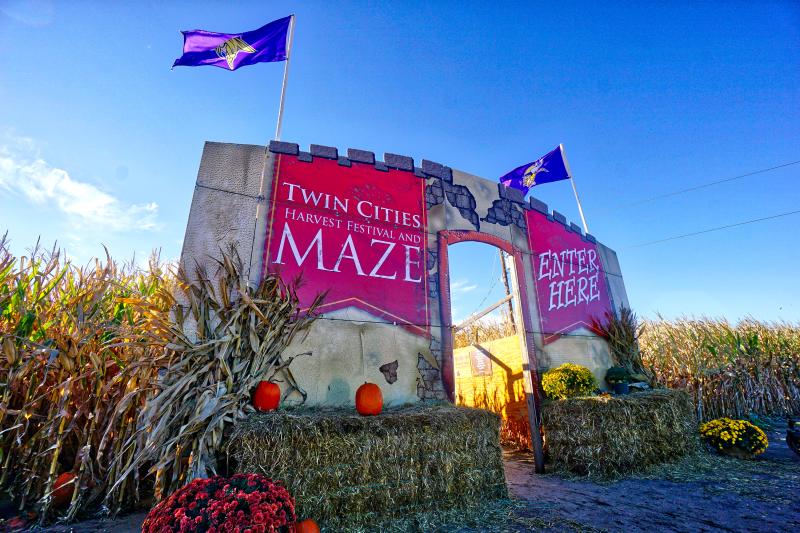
x=571, y=287
x=356, y=232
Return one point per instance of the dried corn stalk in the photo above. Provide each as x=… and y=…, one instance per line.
x=237, y=338
x=80, y=346
x=735, y=370
x=99, y=378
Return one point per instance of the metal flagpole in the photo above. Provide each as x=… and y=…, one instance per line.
x=285, y=78
x=572, y=180
x=258, y=227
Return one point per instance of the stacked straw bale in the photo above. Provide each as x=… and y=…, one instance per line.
x=608, y=437
x=346, y=469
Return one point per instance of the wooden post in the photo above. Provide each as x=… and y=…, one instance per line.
x=531, y=387
x=504, y=268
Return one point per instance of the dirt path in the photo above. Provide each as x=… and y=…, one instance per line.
x=708, y=493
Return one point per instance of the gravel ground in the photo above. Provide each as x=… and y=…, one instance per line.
x=702, y=493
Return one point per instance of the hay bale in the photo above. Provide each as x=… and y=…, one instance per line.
x=608, y=437
x=346, y=469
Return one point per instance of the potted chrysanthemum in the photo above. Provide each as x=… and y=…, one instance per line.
x=737, y=438
x=618, y=378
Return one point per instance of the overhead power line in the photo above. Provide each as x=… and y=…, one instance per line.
x=704, y=185
x=716, y=229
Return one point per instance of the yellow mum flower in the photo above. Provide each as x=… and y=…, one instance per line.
x=725, y=433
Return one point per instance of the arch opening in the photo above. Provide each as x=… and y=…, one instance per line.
x=505, y=365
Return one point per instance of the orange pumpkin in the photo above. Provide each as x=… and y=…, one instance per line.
x=267, y=396
x=62, y=489
x=306, y=526
x=369, y=400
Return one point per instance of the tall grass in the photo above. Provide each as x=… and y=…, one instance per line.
x=82, y=347
x=103, y=375
x=730, y=370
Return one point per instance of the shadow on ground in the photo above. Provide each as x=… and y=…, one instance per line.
x=706, y=492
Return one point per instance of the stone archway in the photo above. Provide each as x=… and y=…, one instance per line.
x=530, y=377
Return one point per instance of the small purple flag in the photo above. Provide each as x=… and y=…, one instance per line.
x=548, y=168
x=233, y=50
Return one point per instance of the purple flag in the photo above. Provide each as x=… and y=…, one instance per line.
x=550, y=167
x=233, y=50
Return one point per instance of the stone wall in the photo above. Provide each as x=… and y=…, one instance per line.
x=230, y=207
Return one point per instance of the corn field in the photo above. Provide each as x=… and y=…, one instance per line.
x=128, y=379
x=730, y=370
x=482, y=331
x=81, y=347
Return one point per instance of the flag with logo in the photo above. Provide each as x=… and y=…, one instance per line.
x=233, y=50
x=550, y=167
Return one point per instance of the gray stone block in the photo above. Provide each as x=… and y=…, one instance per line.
x=234, y=168
x=217, y=220
x=328, y=152
x=437, y=170
x=432, y=258
x=343, y=161
x=511, y=194
x=429, y=167
x=558, y=217
x=576, y=228
x=280, y=147
x=361, y=156
x=380, y=165
x=433, y=286
x=305, y=157
x=537, y=205
x=501, y=191
x=400, y=162
x=589, y=237
x=434, y=194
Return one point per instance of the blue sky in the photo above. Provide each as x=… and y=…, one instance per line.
x=100, y=141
